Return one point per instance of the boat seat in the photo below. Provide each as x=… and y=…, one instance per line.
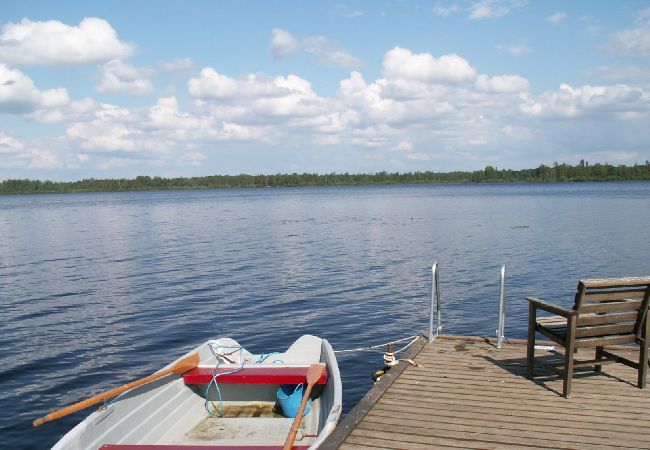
x=251, y=375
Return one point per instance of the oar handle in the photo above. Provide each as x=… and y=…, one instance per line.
x=181, y=366
x=313, y=375
x=295, y=426
x=99, y=398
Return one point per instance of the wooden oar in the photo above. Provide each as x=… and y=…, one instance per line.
x=181, y=366
x=313, y=375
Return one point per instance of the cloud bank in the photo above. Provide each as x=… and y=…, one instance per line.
x=419, y=111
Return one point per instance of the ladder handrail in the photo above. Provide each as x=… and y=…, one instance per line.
x=435, y=302
x=502, y=309
x=435, y=294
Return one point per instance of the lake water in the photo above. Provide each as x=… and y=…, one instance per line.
x=100, y=289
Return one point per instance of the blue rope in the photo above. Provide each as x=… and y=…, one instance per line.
x=215, y=375
x=212, y=411
x=264, y=356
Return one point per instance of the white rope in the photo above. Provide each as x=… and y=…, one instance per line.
x=407, y=345
x=373, y=347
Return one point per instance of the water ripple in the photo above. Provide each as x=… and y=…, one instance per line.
x=100, y=289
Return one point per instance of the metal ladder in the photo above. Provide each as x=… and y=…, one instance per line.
x=436, y=303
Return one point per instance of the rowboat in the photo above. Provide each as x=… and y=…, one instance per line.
x=231, y=399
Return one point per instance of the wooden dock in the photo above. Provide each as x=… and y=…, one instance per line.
x=468, y=394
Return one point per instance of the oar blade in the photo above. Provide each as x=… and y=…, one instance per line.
x=186, y=364
x=314, y=373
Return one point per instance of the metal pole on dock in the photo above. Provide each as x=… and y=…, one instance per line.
x=502, y=308
x=435, y=297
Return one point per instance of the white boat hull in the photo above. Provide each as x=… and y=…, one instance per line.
x=167, y=411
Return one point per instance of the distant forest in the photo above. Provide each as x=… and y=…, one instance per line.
x=583, y=171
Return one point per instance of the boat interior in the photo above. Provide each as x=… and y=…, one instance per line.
x=241, y=409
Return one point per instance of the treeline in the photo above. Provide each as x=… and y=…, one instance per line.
x=555, y=173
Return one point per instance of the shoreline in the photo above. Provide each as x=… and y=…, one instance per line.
x=563, y=173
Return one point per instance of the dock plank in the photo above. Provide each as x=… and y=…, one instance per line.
x=468, y=394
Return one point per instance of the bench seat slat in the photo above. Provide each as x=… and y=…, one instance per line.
x=252, y=375
x=558, y=335
x=602, y=319
x=605, y=330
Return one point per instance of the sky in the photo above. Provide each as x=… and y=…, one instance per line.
x=120, y=89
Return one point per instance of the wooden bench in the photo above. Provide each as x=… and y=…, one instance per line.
x=606, y=312
x=251, y=375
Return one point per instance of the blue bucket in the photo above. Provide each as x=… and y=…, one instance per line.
x=290, y=396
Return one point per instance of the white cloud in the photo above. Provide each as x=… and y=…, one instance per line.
x=212, y=84
x=43, y=159
x=441, y=10
x=501, y=84
x=430, y=109
x=254, y=98
x=347, y=12
x=284, y=44
x=177, y=125
x=75, y=110
x=492, y=9
x=116, y=162
x=121, y=78
x=402, y=63
x=9, y=144
x=619, y=102
x=193, y=159
x=517, y=133
x=514, y=49
x=418, y=157
x=622, y=73
x=477, y=140
x=110, y=129
x=53, y=42
x=557, y=17
x=632, y=41
x=15, y=154
x=328, y=52
x=404, y=145
x=18, y=94
x=421, y=109
x=484, y=9
x=178, y=65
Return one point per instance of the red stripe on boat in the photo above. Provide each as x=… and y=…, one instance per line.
x=252, y=375
x=195, y=447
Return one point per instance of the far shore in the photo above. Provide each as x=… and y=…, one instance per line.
x=558, y=173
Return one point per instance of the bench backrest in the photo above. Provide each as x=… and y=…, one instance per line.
x=611, y=306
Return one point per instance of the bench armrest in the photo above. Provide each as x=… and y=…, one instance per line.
x=551, y=307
